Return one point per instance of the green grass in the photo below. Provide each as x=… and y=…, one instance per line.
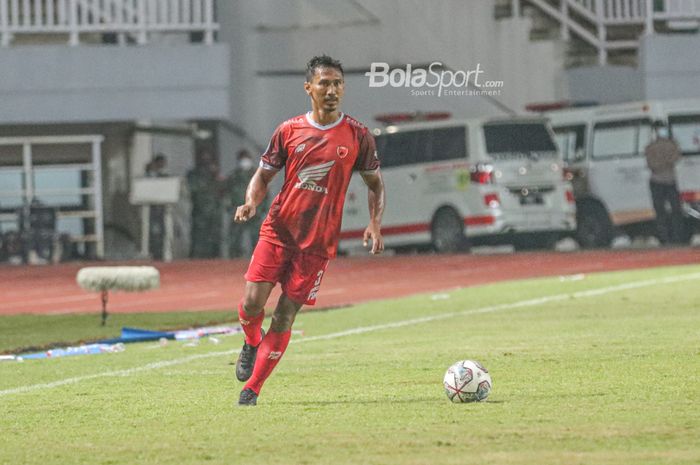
x=612, y=379
x=19, y=332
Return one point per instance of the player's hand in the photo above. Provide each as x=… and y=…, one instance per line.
x=373, y=232
x=244, y=213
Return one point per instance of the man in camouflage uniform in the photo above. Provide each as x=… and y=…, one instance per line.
x=236, y=185
x=206, y=189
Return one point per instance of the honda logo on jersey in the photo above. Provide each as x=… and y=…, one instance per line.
x=311, y=174
x=342, y=151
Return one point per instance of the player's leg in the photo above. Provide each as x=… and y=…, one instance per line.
x=251, y=309
x=264, y=271
x=299, y=286
x=272, y=348
x=251, y=313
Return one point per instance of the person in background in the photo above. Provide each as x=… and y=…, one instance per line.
x=157, y=167
x=236, y=184
x=206, y=188
x=662, y=155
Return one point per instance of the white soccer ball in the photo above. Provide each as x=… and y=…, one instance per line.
x=467, y=381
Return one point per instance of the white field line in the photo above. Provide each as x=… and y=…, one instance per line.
x=363, y=329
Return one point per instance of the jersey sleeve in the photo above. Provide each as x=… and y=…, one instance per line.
x=275, y=156
x=367, y=159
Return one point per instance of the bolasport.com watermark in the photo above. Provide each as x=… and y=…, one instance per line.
x=434, y=80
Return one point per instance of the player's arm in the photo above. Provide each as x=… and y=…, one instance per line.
x=254, y=194
x=376, y=200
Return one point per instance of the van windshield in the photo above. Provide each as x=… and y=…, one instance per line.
x=518, y=138
x=685, y=130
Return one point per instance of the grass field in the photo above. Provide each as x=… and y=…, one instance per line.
x=601, y=370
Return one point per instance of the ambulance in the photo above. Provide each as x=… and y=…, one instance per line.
x=603, y=148
x=451, y=184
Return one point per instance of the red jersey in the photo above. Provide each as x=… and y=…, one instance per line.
x=318, y=161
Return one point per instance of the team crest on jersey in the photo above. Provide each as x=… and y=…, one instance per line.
x=310, y=175
x=300, y=148
x=342, y=151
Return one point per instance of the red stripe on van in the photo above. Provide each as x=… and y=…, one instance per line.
x=388, y=231
x=416, y=228
x=690, y=196
x=479, y=220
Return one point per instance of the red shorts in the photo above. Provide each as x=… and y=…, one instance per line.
x=299, y=273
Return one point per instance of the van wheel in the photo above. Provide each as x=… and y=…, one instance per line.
x=448, y=232
x=594, y=228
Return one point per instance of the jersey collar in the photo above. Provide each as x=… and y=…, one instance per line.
x=326, y=127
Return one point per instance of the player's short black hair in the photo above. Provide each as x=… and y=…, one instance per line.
x=321, y=61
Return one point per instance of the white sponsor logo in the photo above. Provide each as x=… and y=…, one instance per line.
x=274, y=355
x=309, y=176
x=300, y=148
x=436, y=77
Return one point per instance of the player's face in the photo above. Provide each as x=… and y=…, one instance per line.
x=326, y=89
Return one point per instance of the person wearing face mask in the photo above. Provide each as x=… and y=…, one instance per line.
x=206, y=191
x=662, y=155
x=240, y=233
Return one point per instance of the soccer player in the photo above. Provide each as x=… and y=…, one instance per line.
x=319, y=152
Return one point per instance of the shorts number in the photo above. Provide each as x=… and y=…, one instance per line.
x=317, y=286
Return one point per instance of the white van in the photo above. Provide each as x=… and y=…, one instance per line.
x=603, y=147
x=454, y=183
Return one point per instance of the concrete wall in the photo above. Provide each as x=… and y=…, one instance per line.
x=605, y=84
x=271, y=41
x=60, y=84
x=670, y=66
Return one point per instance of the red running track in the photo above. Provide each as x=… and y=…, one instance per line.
x=218, y=284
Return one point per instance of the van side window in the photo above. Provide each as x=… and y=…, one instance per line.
x=396, y=149
x=518, y=138
x=448, y=143
x=424, y=146
x=571, y=141
x=685, y=130
x=621, y=139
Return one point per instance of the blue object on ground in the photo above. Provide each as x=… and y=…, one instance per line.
x=139, y=335
x=78, y=350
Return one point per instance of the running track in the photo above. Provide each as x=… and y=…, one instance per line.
x=217, y=285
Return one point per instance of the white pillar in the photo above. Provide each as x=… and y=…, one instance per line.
x=74, y=37
x=649, y=17
x=208, y=22
x=168, y=234
x=142, y=37
x=145, y=230
x=602, y=36
x=97, y=179
x=4, y=24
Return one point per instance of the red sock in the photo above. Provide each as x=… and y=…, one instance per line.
x=269, y=354
x=251, y=325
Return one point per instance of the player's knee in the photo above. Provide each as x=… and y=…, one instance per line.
x=252, y=306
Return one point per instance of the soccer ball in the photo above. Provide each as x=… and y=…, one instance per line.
x=467, y=381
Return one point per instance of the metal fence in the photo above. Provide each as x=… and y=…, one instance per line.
x=134, y=19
